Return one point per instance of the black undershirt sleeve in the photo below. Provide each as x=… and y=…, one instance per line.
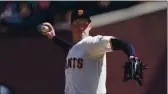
x=126, y=47
x=62, y=43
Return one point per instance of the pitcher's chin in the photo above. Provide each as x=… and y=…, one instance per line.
x=84, y=35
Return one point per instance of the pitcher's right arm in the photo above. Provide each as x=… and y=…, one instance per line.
x=50, y=33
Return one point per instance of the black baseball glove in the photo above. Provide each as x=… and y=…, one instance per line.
x=133, y=69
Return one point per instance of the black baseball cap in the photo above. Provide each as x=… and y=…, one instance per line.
x=80, y=14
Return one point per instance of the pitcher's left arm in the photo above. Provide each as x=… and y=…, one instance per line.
x=133, y=66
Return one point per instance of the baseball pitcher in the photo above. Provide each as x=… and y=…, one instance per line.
x=85, y=68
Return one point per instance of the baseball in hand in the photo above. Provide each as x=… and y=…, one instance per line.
x=44, y=28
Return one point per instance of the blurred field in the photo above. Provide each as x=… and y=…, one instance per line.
x=34, y=65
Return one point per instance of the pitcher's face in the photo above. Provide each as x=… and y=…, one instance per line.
x=80, y=27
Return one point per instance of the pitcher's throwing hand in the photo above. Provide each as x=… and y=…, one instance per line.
x=48, y=30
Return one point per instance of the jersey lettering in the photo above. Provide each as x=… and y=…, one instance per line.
x=74, y=63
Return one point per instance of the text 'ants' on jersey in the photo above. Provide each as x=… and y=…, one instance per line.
x=74, y=63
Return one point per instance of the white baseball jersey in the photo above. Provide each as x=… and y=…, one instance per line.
x=86, y=66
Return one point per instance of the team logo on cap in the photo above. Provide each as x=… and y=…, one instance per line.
x=80, y=12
